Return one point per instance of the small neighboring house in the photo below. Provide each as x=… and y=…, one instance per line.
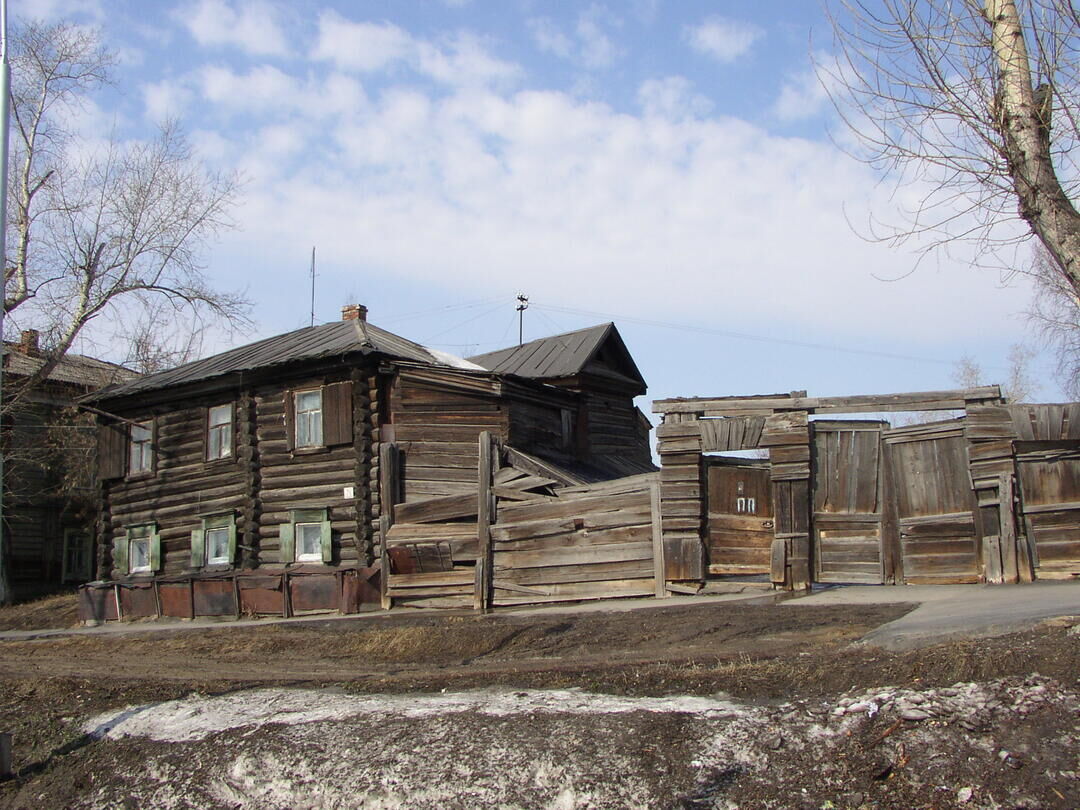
x=265, y=458
x=49, y=491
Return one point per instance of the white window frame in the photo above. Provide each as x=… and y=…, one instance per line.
x=139, y=535
x=308, y=556
x=222, y=432
x=141, y=448
x=315, y=415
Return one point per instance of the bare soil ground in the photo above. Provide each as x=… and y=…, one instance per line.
x=1012, y=742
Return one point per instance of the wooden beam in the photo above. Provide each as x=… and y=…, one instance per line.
x=482, y=591
x=388, y=486
x=658, y=541
x=864, y=403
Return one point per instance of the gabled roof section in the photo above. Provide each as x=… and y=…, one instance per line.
x=76, y=369
x=329, y=340
x=597, y=350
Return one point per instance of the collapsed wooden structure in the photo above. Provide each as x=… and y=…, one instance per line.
x=991, y=495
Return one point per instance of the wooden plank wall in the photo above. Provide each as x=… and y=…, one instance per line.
x=682, y=496
x=437, y=420
x=524, y=535
x=592, y=542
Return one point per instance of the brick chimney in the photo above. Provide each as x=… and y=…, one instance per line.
x=28, y=342
x=354, y=312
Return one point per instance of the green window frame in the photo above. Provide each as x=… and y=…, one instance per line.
x=207, y=540
x=289, y=535
x=128, y=550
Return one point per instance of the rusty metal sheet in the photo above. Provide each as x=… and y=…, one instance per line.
x=360, y=588
x=137, y=601
x=96, y=605
x=175, y=599
x=214, y=597
x=261, y=596
x=314, y=592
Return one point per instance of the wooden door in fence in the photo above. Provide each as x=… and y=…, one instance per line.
x=1049, y=474
x=848, y=494
x=934, y=502
x=740, y=516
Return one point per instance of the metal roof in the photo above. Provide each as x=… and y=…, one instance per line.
x=335, y=339
x=563, y=355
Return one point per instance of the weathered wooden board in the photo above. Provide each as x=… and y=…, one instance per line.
x=935, y=508
x=847, y=502
x=740, y=518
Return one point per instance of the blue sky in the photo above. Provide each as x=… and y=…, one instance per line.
x=666, y=165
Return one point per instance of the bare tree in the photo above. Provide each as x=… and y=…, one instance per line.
x=98, y=230
x=979, y=100
x=1020, y=385
x=1055, y=313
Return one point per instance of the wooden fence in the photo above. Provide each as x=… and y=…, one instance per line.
x=530, y=534
x=990, y=496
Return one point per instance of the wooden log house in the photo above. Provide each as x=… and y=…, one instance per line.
x=258, y=481
x=49, y=477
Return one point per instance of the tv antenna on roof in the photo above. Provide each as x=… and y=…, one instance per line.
x=523, y=304
x=312, y=285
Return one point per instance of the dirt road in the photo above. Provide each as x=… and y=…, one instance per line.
x=780, y=733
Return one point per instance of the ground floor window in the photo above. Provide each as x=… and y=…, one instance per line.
x=78, y=556
x=215, y=542
x=307, y=536
x=138, y=551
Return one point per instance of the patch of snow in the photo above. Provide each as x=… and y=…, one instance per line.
x=452, y=360
x=197, y=717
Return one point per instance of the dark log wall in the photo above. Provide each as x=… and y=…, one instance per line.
x=183, y=487
x=613, y=426
x=291, y=479
x=262, y=480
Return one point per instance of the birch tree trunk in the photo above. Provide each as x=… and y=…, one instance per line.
x=1024, y=124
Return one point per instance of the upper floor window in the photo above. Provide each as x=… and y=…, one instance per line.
x=309, y=418
x=141, y=448
x=219, y=432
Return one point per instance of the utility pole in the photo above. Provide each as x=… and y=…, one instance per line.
x=5, y=95
x=312, y=285
x=523, y=304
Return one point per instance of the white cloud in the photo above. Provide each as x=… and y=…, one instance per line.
x=549, y=38
x=673, y=97
x=804, y=93
x=360, y=46
x=723, y=39
x=165, y=99
x=590, y=45
x=253, y=26
x=51, y=10
x=584, y=203
x=270, y=91
x=459, y=59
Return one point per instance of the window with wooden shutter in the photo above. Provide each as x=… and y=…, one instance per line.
x=307, y=537
x=139, y=551
x=337, y=414
x=215, y=542
x=112, y=450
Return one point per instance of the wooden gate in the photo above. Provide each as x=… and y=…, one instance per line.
x=935, y=503
x=849, y=498
x=740, y=516
x=1049, y=475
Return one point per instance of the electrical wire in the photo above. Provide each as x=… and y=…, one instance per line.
x=706, y=330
